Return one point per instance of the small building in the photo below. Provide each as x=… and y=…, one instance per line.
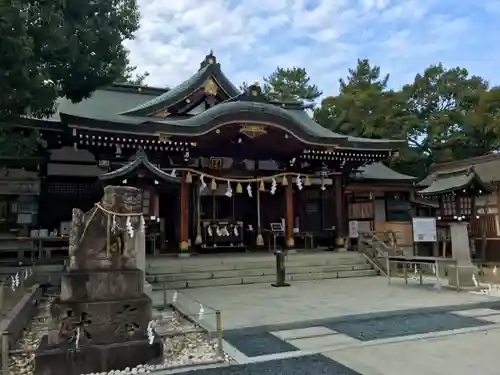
x=480, y=178
x=219, y=166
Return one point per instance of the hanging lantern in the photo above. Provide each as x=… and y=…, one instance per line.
x=262, y=186
x=307, y=182
x=213, y=185
x=189, y=178
x=284, y=181
x=239, y=188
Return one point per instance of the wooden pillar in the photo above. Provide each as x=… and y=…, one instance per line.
x=339, y=211
x=184, y=215
x=374, y=209
x=290, y=242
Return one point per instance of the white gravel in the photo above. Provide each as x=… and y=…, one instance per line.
x=184, y=345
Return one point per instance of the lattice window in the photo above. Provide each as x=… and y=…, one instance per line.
x=361, y=210
x=69, y=188
x=449, y=206
x=465, y=205
x=146, y=201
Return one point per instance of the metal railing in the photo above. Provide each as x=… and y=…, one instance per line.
x=203, y=316
x=376, y=246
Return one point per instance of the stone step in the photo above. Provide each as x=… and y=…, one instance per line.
x=290, y=270
x=176, y=267
x=226, y=281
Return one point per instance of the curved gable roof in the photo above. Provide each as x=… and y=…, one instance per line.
x=140, y=160
x=209, y=68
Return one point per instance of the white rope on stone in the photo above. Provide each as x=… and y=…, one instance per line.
x=150, y=333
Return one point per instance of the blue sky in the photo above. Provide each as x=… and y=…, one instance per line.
x=251, y=37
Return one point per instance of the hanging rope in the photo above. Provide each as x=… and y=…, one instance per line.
x=241, y=180
x=109, y=214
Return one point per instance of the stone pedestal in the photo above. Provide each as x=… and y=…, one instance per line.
x=461, y=253
x=99, y=322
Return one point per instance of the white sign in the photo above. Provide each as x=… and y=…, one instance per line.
x=424, y=229
x=353, y=229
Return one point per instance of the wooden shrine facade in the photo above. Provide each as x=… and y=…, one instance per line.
x=470, y=189
x=223, y=163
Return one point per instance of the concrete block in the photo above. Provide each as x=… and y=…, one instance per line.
x=243, y=273
x=214, y=282
x=171, y=285
x=303, y=333
x=259, y=279
x=361, y=273
x=322, y=341
x=184, y=276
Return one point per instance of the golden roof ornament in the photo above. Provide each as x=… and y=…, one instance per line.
x=210, y=87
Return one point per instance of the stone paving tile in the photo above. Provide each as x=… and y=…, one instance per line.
x=476, y=313
x=303, y=333
x=405, y=325
x=305, y=365
x=462, y=354
x=327, y=341
x=495, y=319
x=258, y=343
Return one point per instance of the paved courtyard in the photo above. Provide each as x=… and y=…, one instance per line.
x=351, y=327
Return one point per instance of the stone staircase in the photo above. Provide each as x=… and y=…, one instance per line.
x=206, y=271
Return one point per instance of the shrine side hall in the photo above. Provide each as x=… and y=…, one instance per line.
x=220, y=168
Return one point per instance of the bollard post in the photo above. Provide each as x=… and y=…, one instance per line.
x=218, y=324
x=165, y=304
x=280, y=269
x=5, y=353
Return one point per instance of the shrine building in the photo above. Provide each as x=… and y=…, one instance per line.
x=221, y=169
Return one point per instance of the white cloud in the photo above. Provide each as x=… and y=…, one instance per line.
x=250, y=38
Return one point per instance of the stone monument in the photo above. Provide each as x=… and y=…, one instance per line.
x=461, y=253
x=100, y=321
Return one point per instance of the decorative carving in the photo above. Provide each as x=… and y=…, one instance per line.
x=216, y=163
x=127, y=321
x=74, y=235
x=210, y=87
x=162, y=137
x=162, y=113
x=75, y=327
x=253, y=131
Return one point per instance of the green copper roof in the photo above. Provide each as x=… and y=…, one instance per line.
x=183, y=90
x=140, y=160
x=450, y=181
x=103, y=103
x=296, y=121
x=379, y=171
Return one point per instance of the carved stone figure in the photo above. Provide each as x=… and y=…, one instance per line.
x=102, y=314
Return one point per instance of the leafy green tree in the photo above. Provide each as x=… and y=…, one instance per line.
x=290, y=84
x=59, y=48
x=128, y=73
x=364, y=107
x=442, y=103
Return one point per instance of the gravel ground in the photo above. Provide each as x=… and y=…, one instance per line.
x=185, y=344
